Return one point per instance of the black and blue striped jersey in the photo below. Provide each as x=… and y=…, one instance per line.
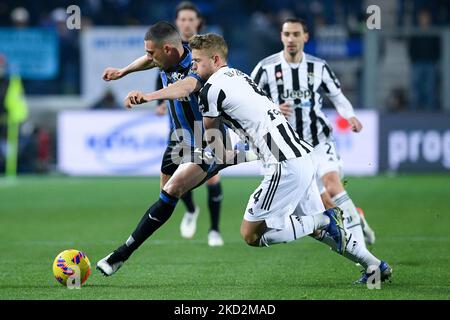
x=185, y=116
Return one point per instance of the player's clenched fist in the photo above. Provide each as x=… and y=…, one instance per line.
x=112, y=74
x=355, y=124
x=134, y=98
x=286, y=109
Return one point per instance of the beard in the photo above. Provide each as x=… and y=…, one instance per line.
x=293, y=53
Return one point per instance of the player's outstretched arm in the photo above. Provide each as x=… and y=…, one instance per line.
x=332, y=87
x=177, y=90
x=140, y=64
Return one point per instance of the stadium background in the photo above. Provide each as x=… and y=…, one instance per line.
x=74, y=132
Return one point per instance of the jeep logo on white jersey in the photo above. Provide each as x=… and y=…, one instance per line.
x=296, y=94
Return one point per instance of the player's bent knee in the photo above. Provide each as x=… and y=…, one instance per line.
x=163, y=180
x=251, y=239
x=316, y=234
x=174, y=189
x=213, y=180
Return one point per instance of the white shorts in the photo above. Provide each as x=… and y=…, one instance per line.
x=326, y=160
x=287, y=187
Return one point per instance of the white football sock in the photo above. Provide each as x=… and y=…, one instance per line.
x=295, y=227
x=353, y=251
x=352, y=219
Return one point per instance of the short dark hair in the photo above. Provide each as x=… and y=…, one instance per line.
x=297, y=20
x=163, y=31
x=187, y=5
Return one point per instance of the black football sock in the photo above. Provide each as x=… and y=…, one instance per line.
x=214, y=203
x=152, y=220
x=188, y=201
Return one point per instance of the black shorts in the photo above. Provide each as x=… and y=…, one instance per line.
x=177, y=154
x=168, y=165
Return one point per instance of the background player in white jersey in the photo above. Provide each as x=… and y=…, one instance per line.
x=293, y=80
x=287, y=204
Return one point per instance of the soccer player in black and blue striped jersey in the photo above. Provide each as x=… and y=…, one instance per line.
x=166, y=51
x=189, y=22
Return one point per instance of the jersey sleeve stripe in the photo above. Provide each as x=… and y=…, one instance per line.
x=273, y=147
x=325, y=88
x=297, y=139
x=332, y=76
x=259, y=75
x=305, y=145
x=220, y=100
x=204, y=97
x=288, y=140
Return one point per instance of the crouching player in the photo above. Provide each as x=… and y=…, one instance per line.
x=287, y=204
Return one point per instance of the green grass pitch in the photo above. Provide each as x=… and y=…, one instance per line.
x=41, y=216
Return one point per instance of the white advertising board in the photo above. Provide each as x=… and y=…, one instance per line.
x=133, y=142
x=358, y=151
x=118, y=143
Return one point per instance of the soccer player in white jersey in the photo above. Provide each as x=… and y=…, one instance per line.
x=293, y=80
x=287, y=205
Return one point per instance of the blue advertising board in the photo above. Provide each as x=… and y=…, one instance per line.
x=32, y=53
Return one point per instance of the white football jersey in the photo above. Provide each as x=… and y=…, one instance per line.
x=234, y=96
x=299, y=85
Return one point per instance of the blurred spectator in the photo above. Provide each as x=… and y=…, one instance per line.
x=424, y=53
x=108, y=101
x=43, y=146
x=238, y=20
x=325, y=31
x=265, y=38
x=397, y=100
x=20, y=17
x=27, y=152
x=69, y=54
